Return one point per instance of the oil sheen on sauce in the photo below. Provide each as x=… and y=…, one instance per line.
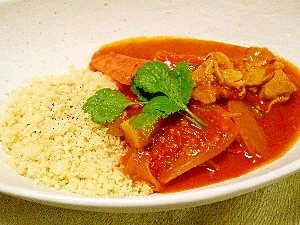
x=281, y=125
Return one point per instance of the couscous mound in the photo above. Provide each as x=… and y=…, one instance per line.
x=51, y=140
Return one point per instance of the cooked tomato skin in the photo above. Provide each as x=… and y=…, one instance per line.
x=181, y=145
x=235, y=160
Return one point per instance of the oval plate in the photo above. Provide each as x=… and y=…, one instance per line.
x=46, y=37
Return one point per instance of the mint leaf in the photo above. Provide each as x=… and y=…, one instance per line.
x=106, y=105
x=162, y=106
x=158, y=107
x=141, y=94
x=182, y=84
x=156, y=77
x=153, y=77
x=177, y=85
x=143, y=120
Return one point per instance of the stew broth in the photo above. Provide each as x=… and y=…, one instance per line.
x=281, y=125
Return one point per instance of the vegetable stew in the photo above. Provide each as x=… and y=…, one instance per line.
x=196, y=112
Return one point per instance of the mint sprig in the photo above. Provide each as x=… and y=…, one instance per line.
x=106, y=105
x=161, y=90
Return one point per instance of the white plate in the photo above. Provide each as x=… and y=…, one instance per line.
x=45, y=37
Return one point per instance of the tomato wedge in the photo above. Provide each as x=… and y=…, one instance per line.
x=181, y=145
x=121, y=68
x=196, y=145
x=138, y=168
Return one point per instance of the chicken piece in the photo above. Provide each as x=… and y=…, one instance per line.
x=278, y=89
x=217, y=78
x=205, y=89
x=233, y=78
x=258, y=66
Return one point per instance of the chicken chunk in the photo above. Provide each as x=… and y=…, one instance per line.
x=263, y=70
x=217, y=78
x=260, y=71
x=258, y=66
x=278, y=89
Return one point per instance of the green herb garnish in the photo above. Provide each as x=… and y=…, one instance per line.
x=161, y=90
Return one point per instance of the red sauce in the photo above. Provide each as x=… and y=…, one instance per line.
x=281, y=125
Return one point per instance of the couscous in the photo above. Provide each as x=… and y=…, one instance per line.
x=51, y=140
